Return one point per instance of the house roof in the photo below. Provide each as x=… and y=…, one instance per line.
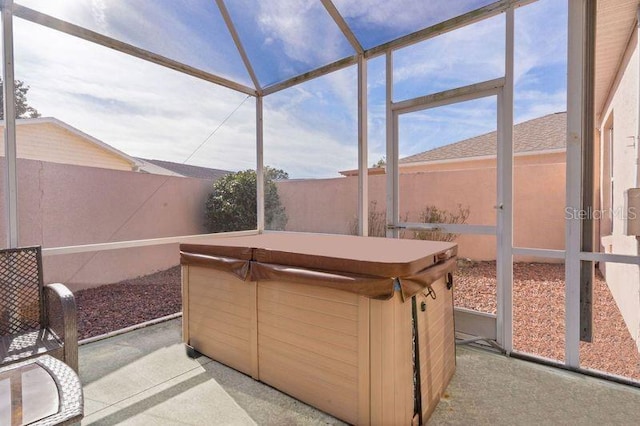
x=77, y=132
x=547, y=133
x=615, y=24
x=187, y=170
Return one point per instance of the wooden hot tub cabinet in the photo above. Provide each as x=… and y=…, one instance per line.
x=327, y=319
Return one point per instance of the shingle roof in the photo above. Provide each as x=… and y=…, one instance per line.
x=540, y=134
x=188, y=170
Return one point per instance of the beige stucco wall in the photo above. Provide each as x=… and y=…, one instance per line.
x=327, y=205
x=519, y=160
x=47, y=141
x=624, y=280
x=63, y=205
x=320, y=205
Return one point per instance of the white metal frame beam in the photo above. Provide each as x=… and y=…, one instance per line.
x=238, y=43
x=468, y=18
x=575, y=98
x=97, y=38
x=260, y=164
x=448, y=228
x=393, y=177
x=451, y=96
x=363, y=159
x=540, y=253
x=342, y=24
x=502, y=89
x=408, y=40
x=587, y=242
x=504, y=261
x=416, y=37
x=10, y=152
x=318, y=72
x=461, y=94
x=118, y=245
x=363, y=146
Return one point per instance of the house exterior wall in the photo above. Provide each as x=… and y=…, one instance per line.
x=46, y=141
x=519, y=160
x=64, y=205
x=622, y=117
x=328, y=205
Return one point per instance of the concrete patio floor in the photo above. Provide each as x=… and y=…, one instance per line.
x=145, y=378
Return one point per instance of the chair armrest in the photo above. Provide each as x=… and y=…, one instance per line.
x=61, y=318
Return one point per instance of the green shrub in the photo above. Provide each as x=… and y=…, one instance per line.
x=232, y=206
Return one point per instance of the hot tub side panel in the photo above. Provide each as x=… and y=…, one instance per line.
x=221, y=317
x=391, y=354
x=313, y=345
x=437, y=345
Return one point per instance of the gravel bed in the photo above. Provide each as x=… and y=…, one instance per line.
x=112, y=307
x=538, y=298
x=538, y=314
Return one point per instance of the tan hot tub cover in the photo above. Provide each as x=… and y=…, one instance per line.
x=367, y=266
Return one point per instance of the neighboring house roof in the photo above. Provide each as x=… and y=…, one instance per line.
x=547, y=133
x=185, y=170
x=541, y=135
x=88, y=138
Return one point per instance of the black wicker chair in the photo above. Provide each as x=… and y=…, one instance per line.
x=34, y=319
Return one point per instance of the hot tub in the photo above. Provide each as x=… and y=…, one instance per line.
x=329, y=320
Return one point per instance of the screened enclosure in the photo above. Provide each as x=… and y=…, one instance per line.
x=509, y=127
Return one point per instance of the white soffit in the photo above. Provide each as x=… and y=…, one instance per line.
x=615, y=23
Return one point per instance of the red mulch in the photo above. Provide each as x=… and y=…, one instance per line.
x=538, y=299
x=115, y=306
x=538, y=323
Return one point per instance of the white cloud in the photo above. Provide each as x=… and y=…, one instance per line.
x=541, y=31
x=304, y=28
x=536, y=103
x=98, y=8
x=476, y=53
x=470, y=54
x=401, y=15
x=303, y=151
x=310, y=129
x=146, y=110
x=140, y=108
x=196, y=36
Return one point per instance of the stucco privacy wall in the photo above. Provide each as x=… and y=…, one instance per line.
x=327, y=205
x=47, y=141
x=64, y=205
x=624, y=280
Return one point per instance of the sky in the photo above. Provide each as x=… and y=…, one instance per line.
x=310, y=130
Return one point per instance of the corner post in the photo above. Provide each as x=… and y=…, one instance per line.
x=10, y=152
x=363, y=168
x=393, y=187
x=259, y=164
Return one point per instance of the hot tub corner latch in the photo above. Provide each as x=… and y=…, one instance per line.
x=449, y=280
x=430, y=292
